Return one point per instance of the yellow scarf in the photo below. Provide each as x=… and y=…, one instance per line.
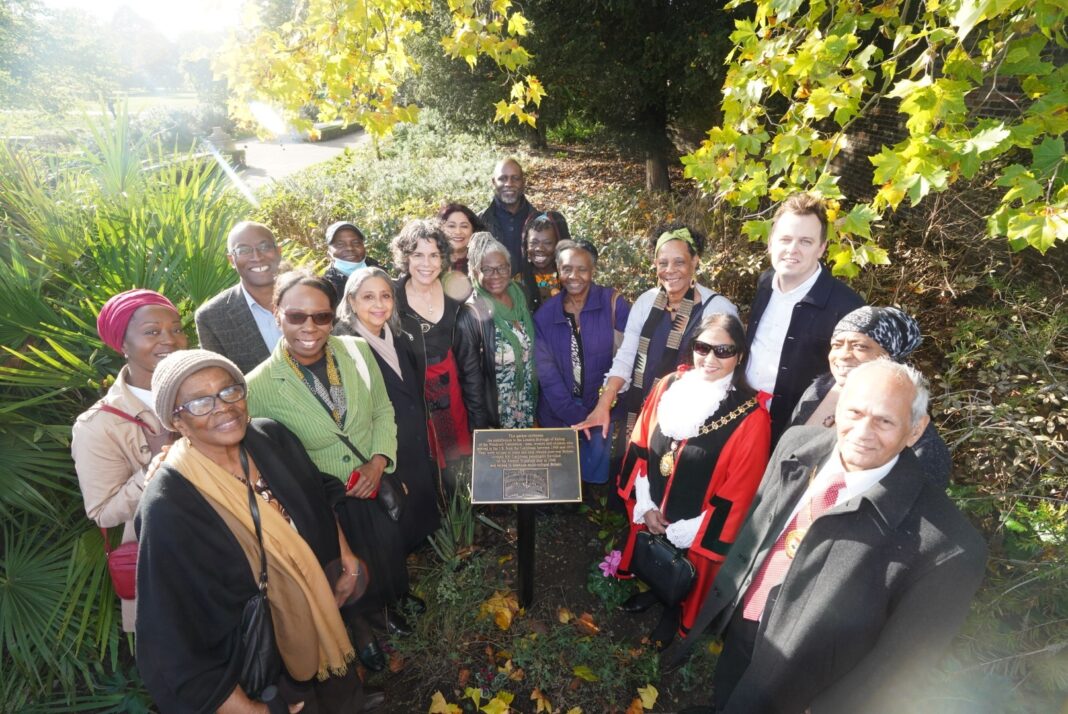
x=308, y=628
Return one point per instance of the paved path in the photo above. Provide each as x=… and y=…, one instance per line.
x=268, y=161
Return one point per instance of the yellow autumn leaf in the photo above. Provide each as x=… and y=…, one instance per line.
x=517, y=25
x=564, y=615
x=574, y=710
x=500, y=704
x=541, y=702
x=583, y=672
x=648, y=695
x=502, y=607
x=438, y=705
x=474, y=694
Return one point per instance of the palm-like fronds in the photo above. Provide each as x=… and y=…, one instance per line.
x=74, y=232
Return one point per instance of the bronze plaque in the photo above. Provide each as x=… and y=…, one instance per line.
x=525, y=466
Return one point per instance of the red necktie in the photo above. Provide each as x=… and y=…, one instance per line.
x=777, y=562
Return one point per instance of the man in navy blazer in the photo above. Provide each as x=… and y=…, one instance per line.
x=239, y=323
x=797, y=305
x=839, y=610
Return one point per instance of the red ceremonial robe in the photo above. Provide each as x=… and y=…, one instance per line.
x=715, y=476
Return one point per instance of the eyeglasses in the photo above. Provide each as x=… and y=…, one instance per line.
x=296, y=317
x=499, y=270
x=720, y=351
x=202, y=406
x=243, y=251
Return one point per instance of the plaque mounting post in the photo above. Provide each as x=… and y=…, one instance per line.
x=526, y=529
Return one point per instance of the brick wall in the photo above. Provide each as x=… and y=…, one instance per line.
x=885, y=126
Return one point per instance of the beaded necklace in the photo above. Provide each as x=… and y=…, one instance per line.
x=332, y=397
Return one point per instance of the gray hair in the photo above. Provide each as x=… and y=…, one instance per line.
x=347, y=315
x=429, y=229
x=482, y=244
x=904, y=373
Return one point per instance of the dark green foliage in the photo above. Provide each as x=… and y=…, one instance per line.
x=75, y=231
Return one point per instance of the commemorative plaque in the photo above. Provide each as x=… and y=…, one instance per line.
x=525, y=466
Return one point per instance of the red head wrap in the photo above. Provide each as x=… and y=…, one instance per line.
x=115, y=316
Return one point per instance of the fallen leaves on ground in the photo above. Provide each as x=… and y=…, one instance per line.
x=583, y=672
x=438, y=705
x=586, y=625
x=541, y=702
x=648, y=695
x=502, y=607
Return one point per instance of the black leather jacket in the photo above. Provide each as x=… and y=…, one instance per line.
x=464, y=349
x=476, y=324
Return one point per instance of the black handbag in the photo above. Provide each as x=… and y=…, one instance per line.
x=663, y=567
x=261, y=663
x=390, y=496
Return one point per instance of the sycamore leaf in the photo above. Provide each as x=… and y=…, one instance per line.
x=541, y=702
x=574, y=710
x=635, y=706
x=502, y=607
x=583, y=672
x=474, y=694
x=517, y=25
x=438, y=705
x=968, y=15
x=648, y=695
x=988, y=139
x=500, y=704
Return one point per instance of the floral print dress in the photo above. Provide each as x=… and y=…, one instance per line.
x=516, y=403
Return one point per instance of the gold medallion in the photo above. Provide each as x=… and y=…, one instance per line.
x=793, y=542
x=667, y=461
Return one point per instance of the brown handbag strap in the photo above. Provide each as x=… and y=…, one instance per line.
x=612, y=297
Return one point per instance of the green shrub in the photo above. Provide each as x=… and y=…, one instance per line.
x=77, y=230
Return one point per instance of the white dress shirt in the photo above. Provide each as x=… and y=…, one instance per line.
x=856, y=482
x=265, y=321
x=770, y=335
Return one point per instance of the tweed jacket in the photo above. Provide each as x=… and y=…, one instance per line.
x=878, y=587
x=276, y=392
x=225, y=325
x=808, y=339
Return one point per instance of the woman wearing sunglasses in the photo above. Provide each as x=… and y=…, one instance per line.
x=330, y=393
x=701, y=444
x=199, y=561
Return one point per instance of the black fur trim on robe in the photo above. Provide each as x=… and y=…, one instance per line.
x=193, y=578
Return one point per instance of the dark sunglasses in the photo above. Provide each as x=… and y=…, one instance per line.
x=720, y=351
x=202, y=406
x=295, y=317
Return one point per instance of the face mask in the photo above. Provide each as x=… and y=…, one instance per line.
x=347, y=267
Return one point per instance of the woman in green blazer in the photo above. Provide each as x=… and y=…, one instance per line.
x=329, y=392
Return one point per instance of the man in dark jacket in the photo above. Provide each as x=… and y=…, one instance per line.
x=797, y=305
x=852, y=571
x=509, y=210
x=346, y=246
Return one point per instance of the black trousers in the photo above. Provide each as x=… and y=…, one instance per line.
x=738, y=641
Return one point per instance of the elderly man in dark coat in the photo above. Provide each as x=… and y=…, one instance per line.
x=853, y=571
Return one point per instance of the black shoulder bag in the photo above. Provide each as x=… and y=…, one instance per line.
x=389, y=496
x=261, y=663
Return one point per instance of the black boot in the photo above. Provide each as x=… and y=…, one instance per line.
x=639, y=602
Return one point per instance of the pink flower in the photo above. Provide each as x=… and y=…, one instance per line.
x=610, y=565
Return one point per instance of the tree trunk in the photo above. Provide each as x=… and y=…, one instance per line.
x=656, y=171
